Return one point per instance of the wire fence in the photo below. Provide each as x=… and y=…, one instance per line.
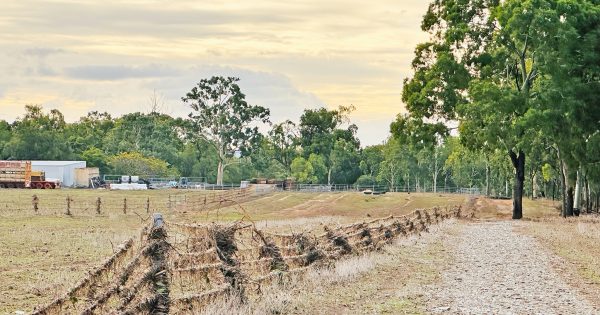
x=82, y=203
x=91, y=202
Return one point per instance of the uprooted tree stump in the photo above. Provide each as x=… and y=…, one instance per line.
x=269, y=249
x=224, y=240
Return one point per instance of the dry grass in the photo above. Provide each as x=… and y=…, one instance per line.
x=493, y=209
x=350, y=205
x=41, y=256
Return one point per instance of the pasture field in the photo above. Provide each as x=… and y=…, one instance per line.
x=43, y=254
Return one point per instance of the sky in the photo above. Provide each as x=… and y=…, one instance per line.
x=86, y=55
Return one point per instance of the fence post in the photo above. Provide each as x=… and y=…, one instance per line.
x=98, y=205
x=68, y=205
x=124, y=205
x=35, y=201
x=158, y=258
x=148, y=205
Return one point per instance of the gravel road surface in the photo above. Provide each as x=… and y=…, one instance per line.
x=497, y=271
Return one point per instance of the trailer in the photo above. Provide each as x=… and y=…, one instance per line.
x=18, y=174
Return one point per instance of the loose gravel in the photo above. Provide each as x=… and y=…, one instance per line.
x=497, y=271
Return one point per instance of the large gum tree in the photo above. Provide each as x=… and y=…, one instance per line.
x=222, y=117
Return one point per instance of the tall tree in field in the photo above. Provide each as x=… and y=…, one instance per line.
x=221, y=115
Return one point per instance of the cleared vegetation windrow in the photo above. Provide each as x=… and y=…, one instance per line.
x=180, y=268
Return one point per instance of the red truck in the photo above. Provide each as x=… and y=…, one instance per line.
x=18, y=174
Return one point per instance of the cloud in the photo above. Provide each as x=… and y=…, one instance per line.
x=42, y=51
x=118, y=72
x=269, y=89
x=80, y=55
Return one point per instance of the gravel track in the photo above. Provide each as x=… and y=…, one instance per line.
x=497, y=271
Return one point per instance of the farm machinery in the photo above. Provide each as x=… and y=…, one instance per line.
x=18, y=174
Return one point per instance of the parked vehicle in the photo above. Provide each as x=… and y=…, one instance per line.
x=18, y=174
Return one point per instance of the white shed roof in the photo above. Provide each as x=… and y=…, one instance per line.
x=56, y=163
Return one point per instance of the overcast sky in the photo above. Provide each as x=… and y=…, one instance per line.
x=84, y=55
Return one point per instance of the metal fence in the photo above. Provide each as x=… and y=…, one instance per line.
x=380, y=189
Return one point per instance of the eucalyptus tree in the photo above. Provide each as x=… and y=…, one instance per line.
x=222, y=117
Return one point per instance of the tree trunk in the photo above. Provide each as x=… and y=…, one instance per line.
x=487, y=177
x=446, y=183
x=586, y=193
x=519, y=165
x=577, y=197
x=329, y=177
x=534, y=186
x=435, y=171
x=220, y=173
x=569, y=205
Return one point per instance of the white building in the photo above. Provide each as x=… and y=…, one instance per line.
x=64, y=171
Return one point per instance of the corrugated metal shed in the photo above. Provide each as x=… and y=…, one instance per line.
x=61, y=170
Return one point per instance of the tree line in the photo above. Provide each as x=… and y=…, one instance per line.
x=517, y=77
x=321, y=148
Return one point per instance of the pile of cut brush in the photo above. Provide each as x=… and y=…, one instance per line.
x=180, y=268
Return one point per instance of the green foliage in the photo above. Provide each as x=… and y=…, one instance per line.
x=222, y=117
x=38, y=136
x=135, y=163
x=366, y=180
x=548, y=172
x=90, y=131
x=153, y=134
x=370, y=159
x=467, y=167
x=517, y=76
x=309, y=171
x=96, y=158
x=345, y=162
x=283, y=139
x=5, y=135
